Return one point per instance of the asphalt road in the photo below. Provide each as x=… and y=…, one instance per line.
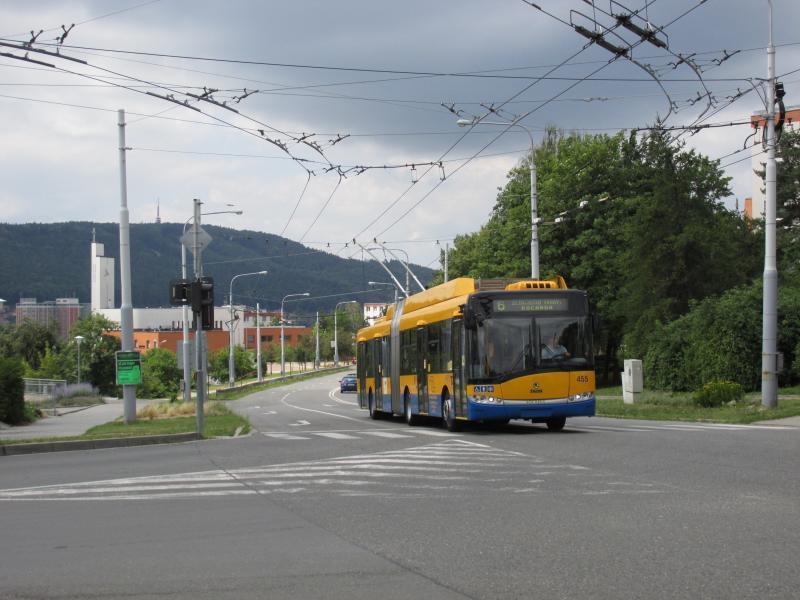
x=322, y=502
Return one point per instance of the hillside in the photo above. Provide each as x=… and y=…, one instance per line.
x=48, y=261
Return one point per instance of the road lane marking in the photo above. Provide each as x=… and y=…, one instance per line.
x=300, y=423
x=387, y=434
x=332, y=395
x=322, y=412
x=337, y=436
x=285, y=436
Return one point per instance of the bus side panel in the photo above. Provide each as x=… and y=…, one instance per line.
x=437, y=382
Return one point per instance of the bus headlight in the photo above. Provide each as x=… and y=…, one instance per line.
x=582, y=397
x=486, y=400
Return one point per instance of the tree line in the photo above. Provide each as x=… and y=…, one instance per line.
x=673, y=275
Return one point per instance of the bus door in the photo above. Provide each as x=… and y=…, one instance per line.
x=361, y=370
x=422, y=369
x=457, y=347
x=375, y=358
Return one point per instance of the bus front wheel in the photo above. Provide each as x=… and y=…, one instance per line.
x=556, y=423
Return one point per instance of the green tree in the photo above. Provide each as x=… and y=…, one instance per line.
x=28, y=341
x=12, y=391
x=160, y=374
x=640, y=227
x=243, y=362
x=98, y=353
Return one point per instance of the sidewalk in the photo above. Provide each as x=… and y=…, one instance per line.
x=70, y=424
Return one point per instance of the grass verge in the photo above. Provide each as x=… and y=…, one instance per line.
x=661, y=406
x=219, y=421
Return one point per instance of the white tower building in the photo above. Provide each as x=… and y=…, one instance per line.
x=102, y=277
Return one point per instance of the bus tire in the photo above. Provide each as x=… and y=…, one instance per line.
x=411, y=418
x=448, y=414
x=556, y=423
x=374, y=414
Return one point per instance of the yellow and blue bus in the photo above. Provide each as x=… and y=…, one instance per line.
x=481, y=350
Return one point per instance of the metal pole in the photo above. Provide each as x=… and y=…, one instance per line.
x=259, y=370
x=335, y=338
x=231, y=366
x=187, y=362
x=126, y=306
x=534, y=216
x=769, y=376
x=198, y=334
x=79, y=361
x=446, y=252
x=283, y=368
x=316, y=356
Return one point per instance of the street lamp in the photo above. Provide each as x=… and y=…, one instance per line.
x=283, y=364
x=385, y=283
x=336, y=331
x=79, y=339
x=534, y=200
x=187, y=363
x=231, y=365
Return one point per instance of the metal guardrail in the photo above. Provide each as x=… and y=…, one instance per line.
x=221, y=393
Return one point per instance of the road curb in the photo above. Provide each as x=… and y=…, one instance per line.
x=35, y=448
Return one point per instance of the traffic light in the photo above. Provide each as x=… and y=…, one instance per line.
x=180, y=292
x=203, y=301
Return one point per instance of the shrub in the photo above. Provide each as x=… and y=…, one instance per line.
x=12, y=391
x=717, y=393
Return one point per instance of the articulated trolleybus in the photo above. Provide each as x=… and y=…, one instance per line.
x=481, y=350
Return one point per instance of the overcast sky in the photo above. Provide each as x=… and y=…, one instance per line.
x=375, y=71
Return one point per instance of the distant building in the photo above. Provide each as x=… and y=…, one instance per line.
x=102, y=277
x=64, y=312
x=758, y=122
x=373, y=311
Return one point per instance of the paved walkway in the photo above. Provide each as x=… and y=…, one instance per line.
x=72, y=423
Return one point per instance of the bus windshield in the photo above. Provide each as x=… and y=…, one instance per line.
x=505, y=346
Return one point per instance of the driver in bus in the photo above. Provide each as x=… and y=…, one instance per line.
x=554, y=349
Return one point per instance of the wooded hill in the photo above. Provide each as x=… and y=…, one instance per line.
x=49, y=261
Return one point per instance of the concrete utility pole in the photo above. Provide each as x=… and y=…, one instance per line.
x=126, y=306
x=769, y=354
x=316, y=355
x=231, y=361
x=283, y=362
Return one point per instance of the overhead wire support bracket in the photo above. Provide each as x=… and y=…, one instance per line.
x=26, y=59
x=55, y=54
x=185, y=103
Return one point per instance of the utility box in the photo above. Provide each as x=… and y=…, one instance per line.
x=632, y=381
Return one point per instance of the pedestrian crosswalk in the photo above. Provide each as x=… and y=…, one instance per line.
x=442, y=468
x=355, y=434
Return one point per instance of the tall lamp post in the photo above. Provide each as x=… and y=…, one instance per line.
x=336, y=331
x=535, y=220
x=187, y=361
x=283, y=363
x=79, y=339
x=231, y=365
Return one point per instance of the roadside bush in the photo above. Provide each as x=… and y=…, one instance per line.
x=12, y=391
x=160, y=374
x=719, y=339
x=717, y=393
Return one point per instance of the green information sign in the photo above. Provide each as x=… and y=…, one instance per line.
x=129, y=368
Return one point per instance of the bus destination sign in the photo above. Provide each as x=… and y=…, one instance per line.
x=530, y=305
